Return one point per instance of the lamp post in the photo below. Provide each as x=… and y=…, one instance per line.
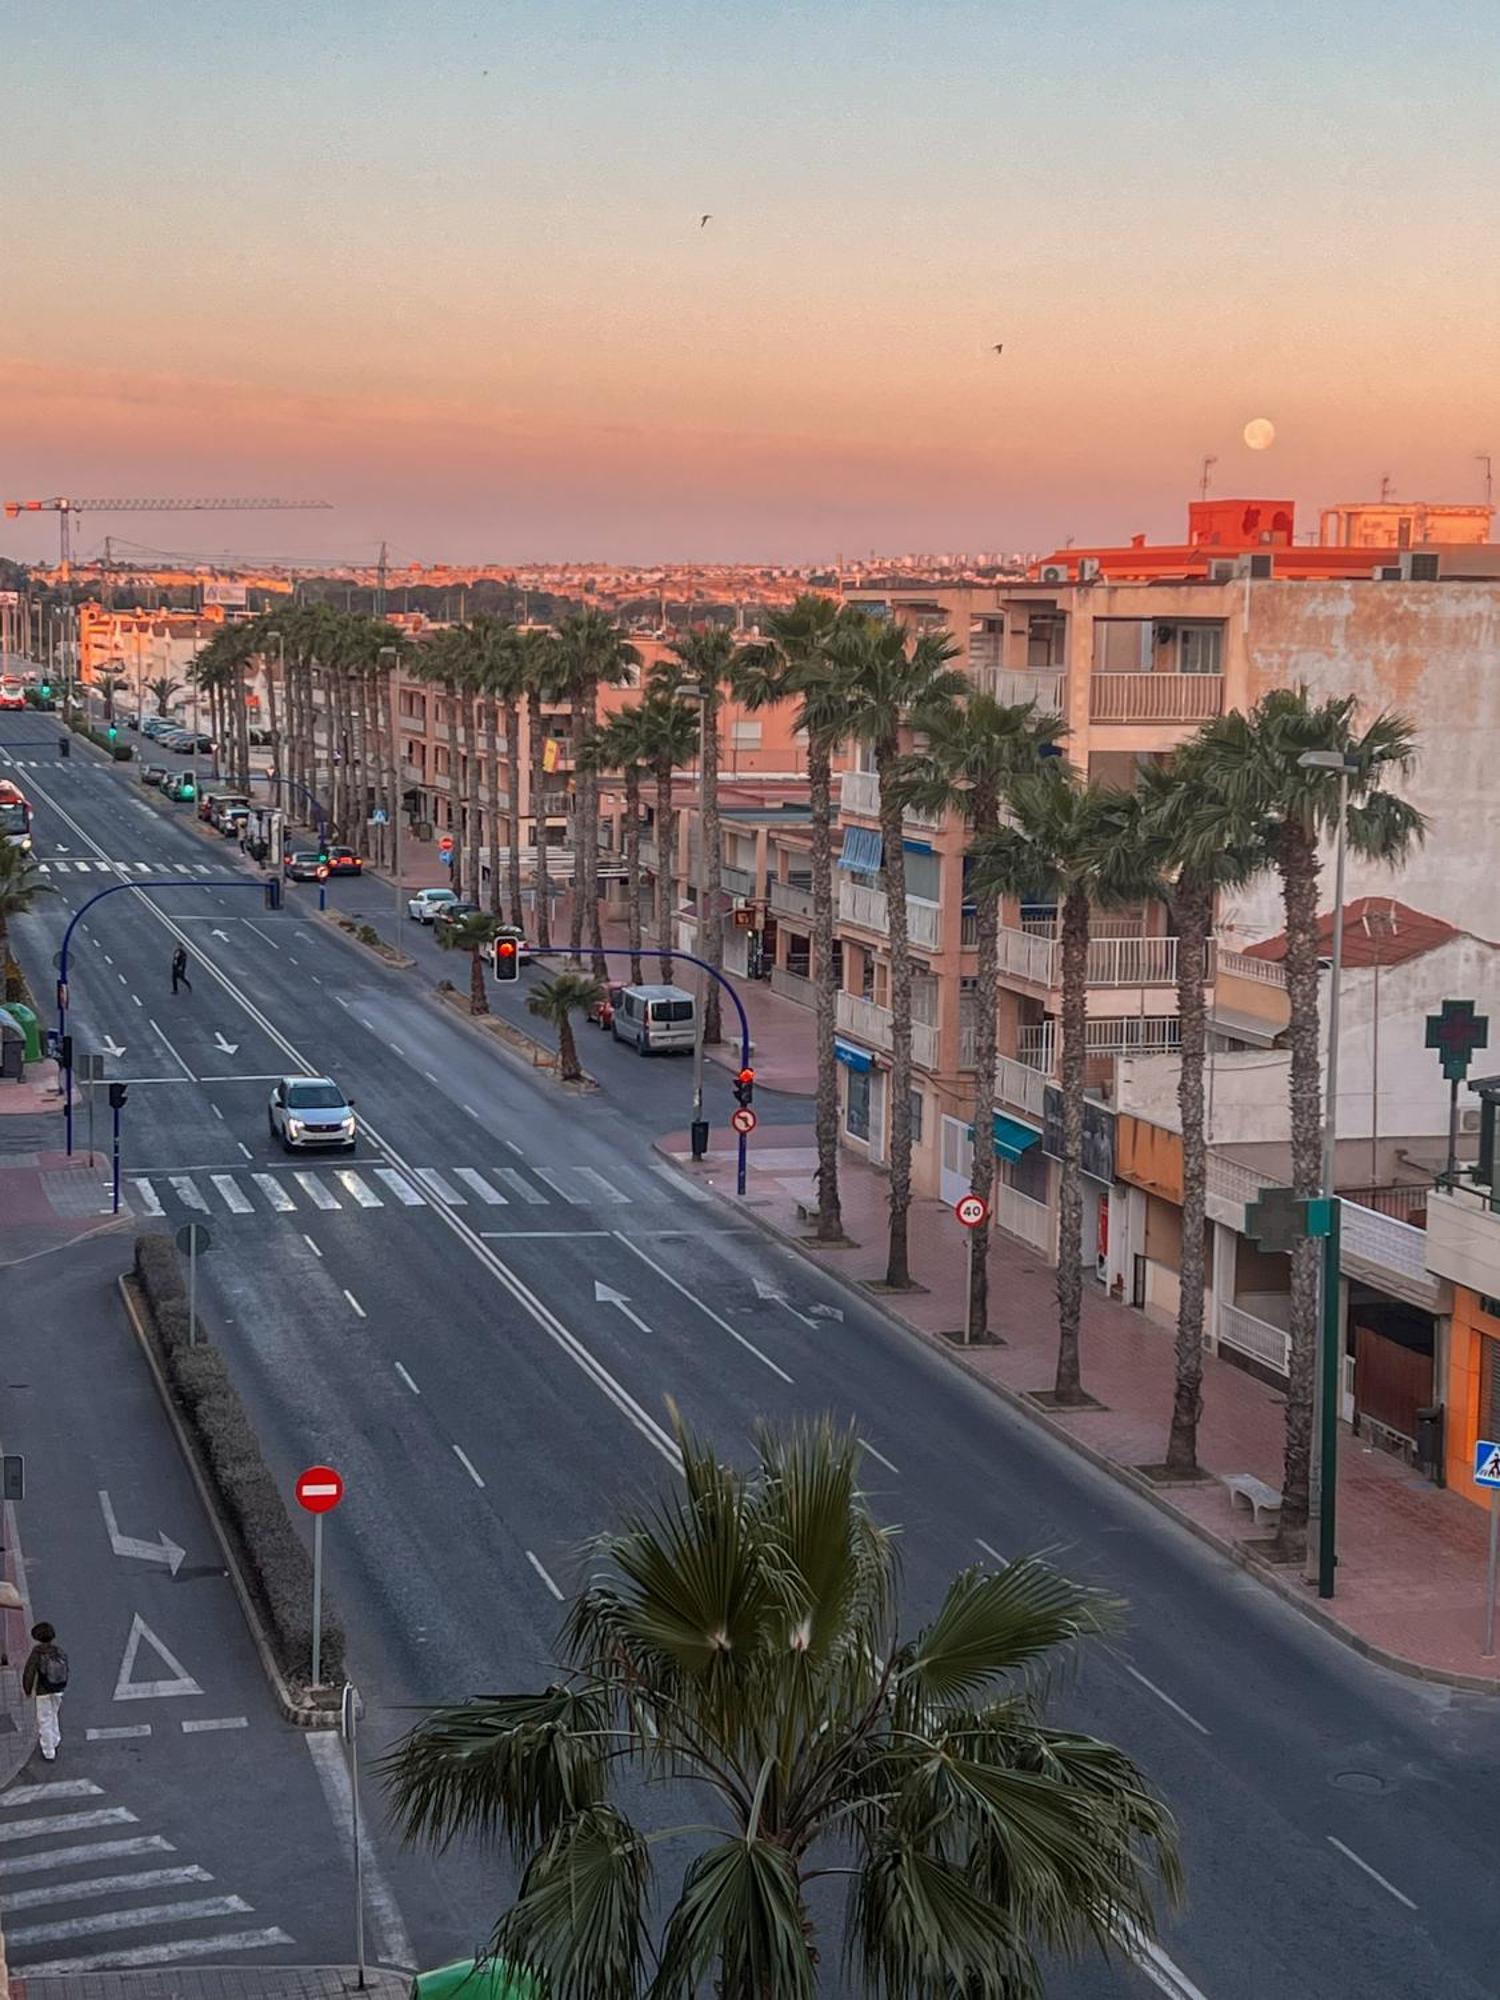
x=390, y=653
x=699, y=1130
x=1327, y=1385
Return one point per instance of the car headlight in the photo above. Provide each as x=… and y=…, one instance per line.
x=347, y=1124
x=294, y=1124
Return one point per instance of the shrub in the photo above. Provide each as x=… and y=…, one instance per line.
x=158, y=1269
x=367, y=934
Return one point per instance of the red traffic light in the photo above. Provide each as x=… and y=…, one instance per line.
x=507, y=959
x=744, y=1086
x=745, y=1076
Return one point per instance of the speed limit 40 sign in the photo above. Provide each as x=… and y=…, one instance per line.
x=971, y=1211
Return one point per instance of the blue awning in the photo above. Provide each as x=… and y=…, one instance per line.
x=862, y=850
x=916, y=846
x=851, y=1056
x=1012, y=1138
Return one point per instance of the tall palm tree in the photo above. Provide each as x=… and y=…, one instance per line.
x=161, y=691
x=886, y=677
x=669, y=728
x=623, y=745
x=1067, y=844
x=20, y=885
x=503, y=678
x=110, y=685
x=1253, y=761
x=793, y=665
x=557, y=1000
x=446, y=661
x=706, y=659
x=974, y=753
x=745, y=1633
x=541, y=676
x=474, y=934
x=594, y=653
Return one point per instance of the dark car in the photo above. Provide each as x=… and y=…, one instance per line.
x=344, y=861
x=305, y=867
x=453, y=914
x=152, y=774
x=186, y=743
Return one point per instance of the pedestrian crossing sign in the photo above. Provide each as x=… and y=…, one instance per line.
x=1487, y=1463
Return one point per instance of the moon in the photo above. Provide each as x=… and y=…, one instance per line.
x=1260, y=434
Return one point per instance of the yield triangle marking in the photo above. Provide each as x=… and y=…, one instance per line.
x=127, y=1689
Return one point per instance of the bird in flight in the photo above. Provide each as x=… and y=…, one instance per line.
x=704, y=221
x=999, y=347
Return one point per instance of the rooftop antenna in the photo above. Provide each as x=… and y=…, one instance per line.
x=1483, y=458
x=1385, y=487
x=1208, y=466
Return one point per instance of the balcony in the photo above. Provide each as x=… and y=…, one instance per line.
x=793, y=986
x=860, y=793
x=1048, y=690
x=1020, y=1086
x=872, y=1025
x=1242, y=965
x=1024, y=955
x=1032, y=1221
x=1377, y=1248
x=870, y=909
x=1463, y=1237
x=787, y=900
x=1155, y=697
x=1270, y=1345
x=737, y=881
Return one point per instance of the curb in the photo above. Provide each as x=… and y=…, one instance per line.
x=301, y=1713
x=388, y=954
x=510, y=1039
x=1123, y=1475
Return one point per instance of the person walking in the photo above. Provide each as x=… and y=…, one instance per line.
x=180, y=971
x=44, y=1677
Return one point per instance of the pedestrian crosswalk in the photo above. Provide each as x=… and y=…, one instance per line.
x=249, y=1191
x=73, y=1902
x=68, y=865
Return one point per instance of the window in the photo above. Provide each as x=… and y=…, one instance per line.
x=915, y=1100
x=799, y=954
x=1199, y=649
x=864, y=970
x=857, y=1104
x=745, y=735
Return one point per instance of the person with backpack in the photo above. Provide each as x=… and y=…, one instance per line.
x=44, y=1677
x=180, y=971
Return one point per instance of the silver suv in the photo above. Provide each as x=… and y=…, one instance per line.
x=311, y=1111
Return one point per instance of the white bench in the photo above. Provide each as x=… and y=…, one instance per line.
x=1262, y=1500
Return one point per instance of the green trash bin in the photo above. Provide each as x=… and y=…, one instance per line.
x=25, y=1019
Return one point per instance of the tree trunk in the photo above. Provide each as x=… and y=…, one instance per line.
x=455, y=794
x=513, y=809
x=359, y=752
x=539, y=818
x=1297, y=863
x=492, y=818
x=633, y=866
x=666, y=842
x=474, y=795
x=1194, y=905
x=830, y=1227
x=986, y=1000
x=585, y=847
x=395, y=784
x=479, y=1000
x=567, y=1051
x=898, y=1262
x=711, y=916
x=1068, y=1387
x=242, y=728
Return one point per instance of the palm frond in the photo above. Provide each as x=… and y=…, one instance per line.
x=741, y=1918
x=579, y=1924
x=918, y=1925
x=994, y=1622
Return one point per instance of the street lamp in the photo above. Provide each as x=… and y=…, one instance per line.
x=698, y=1134
x=1323, y=1496
x=390, y=653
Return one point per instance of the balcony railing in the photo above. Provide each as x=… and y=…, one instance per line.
x=1033, y=1221
x=871, y=1024
x=737, y=881
x=860, y=793
x=871, y=910
x=792, y=986
x=1241, y=965
x=1155, y=697
x=1023, y=956
x=1031, y=953
x=1019, y=1085
x=1241, y=1330
x=1035, y=1046
x=787, y=900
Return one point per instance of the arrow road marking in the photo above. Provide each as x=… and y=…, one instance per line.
x=128, y=1690
x=605, y=1295
x=162, y=1550
x=717, y=1318
x=226, y=1048
x=216, y=932
x=827, y=1312
x=112, y=1047
x=765, y=1291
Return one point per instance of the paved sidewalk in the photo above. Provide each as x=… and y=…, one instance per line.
x=215, y=1982
x=1411, y=1556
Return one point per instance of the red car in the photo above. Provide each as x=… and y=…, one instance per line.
x=602, y=1013
x=344, y=861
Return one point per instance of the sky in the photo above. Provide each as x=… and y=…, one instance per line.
x=442, y=265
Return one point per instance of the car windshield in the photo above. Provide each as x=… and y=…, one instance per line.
x=314, y=1097
x=310, y=859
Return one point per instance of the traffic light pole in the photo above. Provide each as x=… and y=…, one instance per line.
x=623, y=951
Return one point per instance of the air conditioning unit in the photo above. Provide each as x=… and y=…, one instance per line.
x=1054, y=573
x=1386, y=573
x=1088, y=569
x=1262, y=566
x=1421, y=566
x=1222, y=570
x=1468, y=1121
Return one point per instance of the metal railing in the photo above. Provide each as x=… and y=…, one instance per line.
x=1032, y=1221
x=868, y=1023
x=871, y=910
x=737, y=881
x=1155, y=697
x=1265, y=1343
x=1036, y=1047
x=1023, y=956
x=1018, y=1084
x=1033, y=953
x=1048, y=689
x=860, y=793
x=787, y=900
x=1382, y=1241
x=1404, y=1200
x=1241, y=965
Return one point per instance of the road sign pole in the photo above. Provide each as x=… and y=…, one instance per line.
x=317, y=1608
x=1332, y=1359
x=193, y=1287
x=1489, y=1595
x=116, y=1114
x=88, y=1092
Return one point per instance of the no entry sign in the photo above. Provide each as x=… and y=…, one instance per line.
x=319, y=1489
x=971, y=1211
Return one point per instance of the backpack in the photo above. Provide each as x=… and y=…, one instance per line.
x=52, y=1670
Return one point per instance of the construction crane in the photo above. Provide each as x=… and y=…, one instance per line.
x=66, y=510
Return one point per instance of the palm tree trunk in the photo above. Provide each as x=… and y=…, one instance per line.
x=633, y=865
x=473, y=792
x=539, y=818
x=242, y=729
x=711, y=916
x=359, y=775
x=666, y=842
x=1193, y=904
x=455, y=795
x=567, y=1051
x=986, y=1001
x=898, y=1261
x=583, y=839
x=1297, y=863
x=830, y=1225
x=513, y=808
x=492, y=819
x=1068, y=1387
x=479, y=1000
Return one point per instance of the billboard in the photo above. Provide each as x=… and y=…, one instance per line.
x=228, y=596
x=1098, y=1135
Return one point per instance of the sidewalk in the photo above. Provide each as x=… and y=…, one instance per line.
x=1411, y=1556
x=215, y=1982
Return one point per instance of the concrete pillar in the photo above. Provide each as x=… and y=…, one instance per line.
x=1225, y=1246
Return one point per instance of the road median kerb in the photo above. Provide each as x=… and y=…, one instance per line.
x=350, y=928
x=1123, y=1475
x=513, y=1039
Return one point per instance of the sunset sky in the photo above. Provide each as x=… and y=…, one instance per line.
x=442, y=265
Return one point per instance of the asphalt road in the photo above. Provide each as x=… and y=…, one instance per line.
x=430, y=1318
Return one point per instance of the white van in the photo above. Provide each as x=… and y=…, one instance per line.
x=656, y=1018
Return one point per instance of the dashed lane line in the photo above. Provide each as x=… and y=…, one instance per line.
x=536, y=1564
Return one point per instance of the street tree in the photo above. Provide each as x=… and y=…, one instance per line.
x=161, y=691
x=593, y=652
x=542, y=680
x=557, y=1000
x=20, y=885
x=706, y=661
x=623, y=746
x=670, y=735
x=474, y=933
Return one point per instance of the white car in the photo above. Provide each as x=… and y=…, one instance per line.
x=311, y=1111
x=425, y=905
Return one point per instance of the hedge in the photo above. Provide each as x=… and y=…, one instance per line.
x=120, y=750
x=251, y=1502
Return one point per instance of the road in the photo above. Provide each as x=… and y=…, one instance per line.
x=434, y=1318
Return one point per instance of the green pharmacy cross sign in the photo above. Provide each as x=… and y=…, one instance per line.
x=1456, y=1031
x=1280, y=1219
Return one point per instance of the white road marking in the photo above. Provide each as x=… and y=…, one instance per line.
x=315, y=1191
x=77, y=1822
x=509, y=1142
x=124, y=1729
x=606, y=1189
x=535, y=1235
x=205, y=1722
x=244, y=1149
x=90, y=1851
x=400, y=1187
x=471, y=1111
x=467, y=1463
x=215, y=1109
x=407, y=1380
x=396, y=1050
x=1373, y=1873
x=262, y=934
x=310, y=1244
x=993, y=1553
x=1162, y=1696
x=520, y=1186
x=233, y=1200
x=136, y=998
x=679, y=1183
x=1163, y=1972
x=355, y=1303
x=151, y=1022
x=866, y=1445
x=107, y=959
x=429, y=1076
x=733, y=1331
x=472, y=1178
x=147, y=1197
x=274, y=1192
x=44, y=1795
x=127, y=1689
x=553, y=1179
x=391, y=1941
x=104, y=1885
x=433, y=1181
x=187, y=1192
x=361, y=1190
x=158, y=1954
x=536, y=1564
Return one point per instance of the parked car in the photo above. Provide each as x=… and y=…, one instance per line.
x=211, y=804
x=449, y=915
x=518, y=939
x=311, y=1111
x=657, y=1019
x=232, y=821
x=305, y=867
x=344, y=861
x=179, y=785
x=602, y=1013
x=427, y=902
x=152, y=774
x=158, y=725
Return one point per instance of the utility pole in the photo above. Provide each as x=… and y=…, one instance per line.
x=1483, y=458
x=1385, y=487
x=1208, y=465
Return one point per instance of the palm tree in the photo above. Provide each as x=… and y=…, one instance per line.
x=669, y=728
x=594, y=653
x=1264, y=790
x=474, y=934
x=446, y=660
x=20, y=885
x=503, y=676
x=161, y=691
x=557, y=1000
x=541, y=677
x=887, y=677
x=745, y=1634
x=707, y=661
x=973, y=755
x=793, y=664
x=623, y=745
x=109, y=686
x=1067, y=844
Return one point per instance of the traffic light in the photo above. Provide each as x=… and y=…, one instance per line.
x=507, y=959
x=118, y=1092
x=65, y=1052
x=322, y=843
x=45, y=690
x=111, y=732
x=744, y=1086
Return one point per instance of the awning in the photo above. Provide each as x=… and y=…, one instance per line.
x=1012, y=1138
x=916, y=846
x=851, y=1056
x=1254, y=1029
x=862, y=850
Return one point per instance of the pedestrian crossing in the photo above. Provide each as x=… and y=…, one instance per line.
x=249, y=1191
x=73, y=1902
x=59, y=865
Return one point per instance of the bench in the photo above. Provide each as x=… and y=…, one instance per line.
x=1257, y=1496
